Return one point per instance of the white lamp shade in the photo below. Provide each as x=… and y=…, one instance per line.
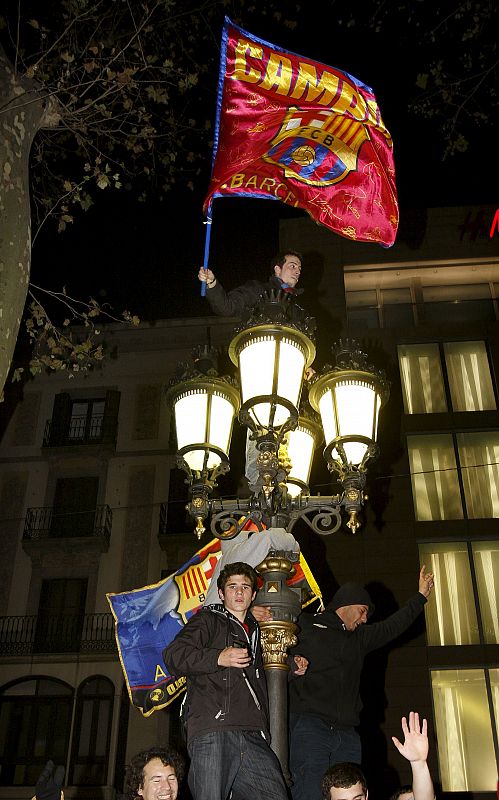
x=257, y=360
x=349, y=407
x=203, y=417
x=301, y=446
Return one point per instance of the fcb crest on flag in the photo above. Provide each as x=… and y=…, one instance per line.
x=295, y=130
x=318, y=148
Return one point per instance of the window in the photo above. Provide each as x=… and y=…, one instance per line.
x=82, y=421
x=61, y=615
x=94, y=710
x=464, y=719
x=435, y=484
x=422, y=379
x=440, y=463
x=469, y=376
x=86, y=419
x=35, y=723
x=458, y=615
x=425, y=367
x=479, y=458
x=486, y=565
x=75, y=505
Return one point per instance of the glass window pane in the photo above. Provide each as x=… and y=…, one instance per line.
x=435, y=487
x=479, y=457
x=450, y=612
x=422, y=380
x=469, y=376
x=494, y=685
x=456, y=292
x=486, y=558
x=464, y=731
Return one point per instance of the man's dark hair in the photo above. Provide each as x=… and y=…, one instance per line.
x=401, y=790
x=135, y=770
x=342, y=776
x=280, y=258
x=237, y=568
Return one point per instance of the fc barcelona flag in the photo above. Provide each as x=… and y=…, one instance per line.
x=296, y=130
x=148, y=619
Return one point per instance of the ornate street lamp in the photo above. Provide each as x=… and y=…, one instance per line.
x=349, y=397
x=204, y=406
x=273, y=352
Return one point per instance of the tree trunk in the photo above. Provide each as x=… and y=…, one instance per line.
x=23, y=111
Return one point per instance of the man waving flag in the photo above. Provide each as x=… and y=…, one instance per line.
x=295, y=130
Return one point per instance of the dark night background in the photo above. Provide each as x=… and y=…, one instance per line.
x=144, y=256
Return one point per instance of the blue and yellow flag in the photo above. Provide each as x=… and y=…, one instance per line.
x=148, y=619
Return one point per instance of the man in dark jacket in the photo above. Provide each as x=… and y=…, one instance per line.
x=286, y=271
x=325, y=703
x=219, y=652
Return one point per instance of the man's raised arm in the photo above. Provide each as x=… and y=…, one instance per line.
x=415, y=750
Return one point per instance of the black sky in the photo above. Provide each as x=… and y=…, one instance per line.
x=144, y=256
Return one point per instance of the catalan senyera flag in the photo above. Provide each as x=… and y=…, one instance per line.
x=291, y=129
x=148, y=619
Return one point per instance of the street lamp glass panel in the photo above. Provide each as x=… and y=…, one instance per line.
x=328, y=417
x=193, y=427
x=350, y=408
x=190, y=418
x=291, y=367
x=222, y=414
x=357, y=416
x=301, y=446
x=257, y=367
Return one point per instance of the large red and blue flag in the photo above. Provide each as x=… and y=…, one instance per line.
x=295, y=130
x=148, y=619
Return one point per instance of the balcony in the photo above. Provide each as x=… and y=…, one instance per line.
x=45, y=523
x=44, y=634
x=94, y=430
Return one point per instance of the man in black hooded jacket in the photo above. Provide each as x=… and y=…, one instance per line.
x=325, y=704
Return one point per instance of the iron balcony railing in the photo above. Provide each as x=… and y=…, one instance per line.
x=64, y=633
x=47, y=522
x=81, y=430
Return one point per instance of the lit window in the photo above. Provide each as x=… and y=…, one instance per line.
x=464, y=730
x=470, y=381
x=451, y=616
x=479, y=459
x=422, y=380
x=435, y=485
x=486, y=563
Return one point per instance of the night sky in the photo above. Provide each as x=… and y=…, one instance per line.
x=145, y=256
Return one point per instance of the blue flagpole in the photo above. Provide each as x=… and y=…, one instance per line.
x=206, y=247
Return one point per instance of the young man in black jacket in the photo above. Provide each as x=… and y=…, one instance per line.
x=285, y=275
x=325, y=704
x=219, y=652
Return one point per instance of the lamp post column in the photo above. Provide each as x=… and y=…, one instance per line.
x=277, y=636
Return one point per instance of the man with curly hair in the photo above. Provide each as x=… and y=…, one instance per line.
x=154, y=774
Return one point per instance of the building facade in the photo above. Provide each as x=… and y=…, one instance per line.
x=91, y=504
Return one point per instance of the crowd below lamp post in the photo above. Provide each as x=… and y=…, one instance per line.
x=273, y=351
